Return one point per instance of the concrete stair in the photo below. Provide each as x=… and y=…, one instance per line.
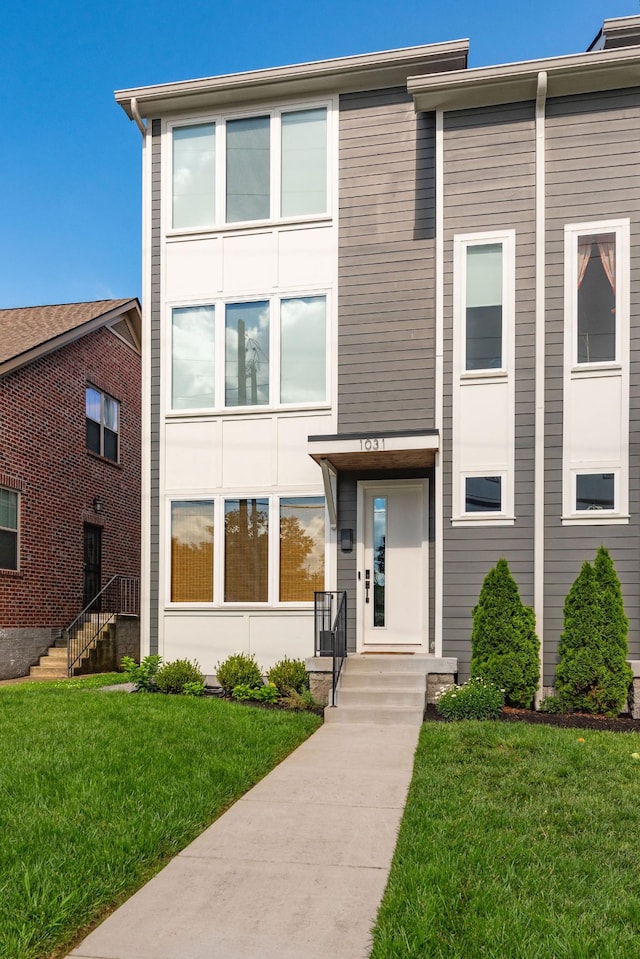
x=53, y=665
x=382, y=689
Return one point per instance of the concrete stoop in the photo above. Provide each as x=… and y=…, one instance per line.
x=382, y=689
x=53, y=664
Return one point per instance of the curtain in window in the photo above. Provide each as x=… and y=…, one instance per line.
x=584, y=253
x=246, y=559
x=192, y=552
x=607, y=250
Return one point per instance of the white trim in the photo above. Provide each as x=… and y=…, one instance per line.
x=438, y=572
x=374, y=444
x=145, y=505
x=481, y=381
x=593, y=377
x=364, y=486
x=11, y=529
x=540, y=347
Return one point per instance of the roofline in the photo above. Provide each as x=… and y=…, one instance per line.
x=69, y=336
x=515, y=82
x=368, y=71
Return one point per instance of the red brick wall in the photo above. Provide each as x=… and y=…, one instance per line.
x=43, y=454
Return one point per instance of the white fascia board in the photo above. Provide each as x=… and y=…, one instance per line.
x=391, y=444
x=346, y=74
x=515, y=82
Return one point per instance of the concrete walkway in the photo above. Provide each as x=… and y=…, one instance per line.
x=295, y=869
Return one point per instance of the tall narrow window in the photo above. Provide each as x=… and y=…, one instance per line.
x=248, y=169
x=192, y=551
x=192, y=358
x=596, y=298
x=379, y=550
x=303, y=350
x=483, y=339
x=301, y=548
x=247, y=354
x=102, y=423
x=8, y=529
x=246, y=556
x=304, y=162
x=194, y=152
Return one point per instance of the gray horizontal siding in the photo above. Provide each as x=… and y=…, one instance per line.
x=489, y=184
x=592, y=174
x=386, y=267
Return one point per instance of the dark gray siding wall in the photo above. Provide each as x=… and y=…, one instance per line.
x=156, y=235
x=592, y=174
x=386, y=263
x=347, y=566
x=489, y=184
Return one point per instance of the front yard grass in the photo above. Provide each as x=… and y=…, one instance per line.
x=98, y=790
x=517, y=842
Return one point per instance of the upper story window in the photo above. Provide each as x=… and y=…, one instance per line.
x=249, y=169
x=596, y=295
x=257, y=353
x=8, y=529
x=483, y=307
x=102, y=423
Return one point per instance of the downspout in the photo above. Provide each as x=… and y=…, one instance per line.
x=136, y=116
x=438, y=584
x=539, y=450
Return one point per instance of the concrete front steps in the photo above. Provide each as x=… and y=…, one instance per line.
x=383, y=689
x=53, y=665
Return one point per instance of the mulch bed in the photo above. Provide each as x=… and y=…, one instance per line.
x=564, y=720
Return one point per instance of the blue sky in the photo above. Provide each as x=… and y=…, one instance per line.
x=70, y=159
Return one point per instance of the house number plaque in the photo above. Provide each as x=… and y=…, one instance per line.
x=372, y=444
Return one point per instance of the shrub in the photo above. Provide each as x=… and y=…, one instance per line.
x=475, y=699
x=171, y=677
x=193, y=689
x=593, y=675
x=552, y=704
x=260, y=694
x=142, y=674
x=301, y=701
x=237, y=670
x=289, y=674
x=504, y=647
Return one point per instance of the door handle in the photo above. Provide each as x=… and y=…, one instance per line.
x=367, y=584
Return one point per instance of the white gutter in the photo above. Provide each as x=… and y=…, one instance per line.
x=328, y=492
x=539, y=446
x=438, y=585
x=135, y=113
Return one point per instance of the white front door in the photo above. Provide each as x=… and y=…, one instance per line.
x=392, y=568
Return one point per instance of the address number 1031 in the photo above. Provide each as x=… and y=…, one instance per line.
x=371, y=444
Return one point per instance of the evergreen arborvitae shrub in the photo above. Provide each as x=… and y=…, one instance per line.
x=593, y=675
x=504, y=647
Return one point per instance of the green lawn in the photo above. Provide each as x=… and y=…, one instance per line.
x=518, y=842
x=98, y=790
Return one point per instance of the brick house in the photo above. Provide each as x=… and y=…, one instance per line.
x=69, y=466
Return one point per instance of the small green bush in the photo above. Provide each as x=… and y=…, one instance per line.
x=142, y=674
x=289, y=675
x=171, y=677
x=193, y=689
x=237, y=670
x=259, y=694
x=552, y=704
x=504, y=647
x=302, y=701
x=475, y=699
x=593, y=675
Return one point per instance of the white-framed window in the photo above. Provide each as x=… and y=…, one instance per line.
x=268, y=550
x=250, y=168
x=9, y=529
x=102, y=423
x=596, y=373
x=483, y=400
x=596, y=264
x=255, y=353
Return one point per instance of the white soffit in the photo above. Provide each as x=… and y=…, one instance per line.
x=515, y=82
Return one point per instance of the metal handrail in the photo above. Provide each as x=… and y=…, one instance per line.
x=119, y=596
x=331, y=632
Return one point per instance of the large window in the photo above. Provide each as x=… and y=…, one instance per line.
x=272, y=353
x=272, y=550
x=483, y=338
x=274, y=165
x=596, y=298
x=192, y=551
x=102, y=423
x=8, y=529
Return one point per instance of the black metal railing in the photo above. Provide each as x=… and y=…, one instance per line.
x=330, y=630
x=120, y=596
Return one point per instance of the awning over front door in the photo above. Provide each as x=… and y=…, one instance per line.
x=387, y=450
